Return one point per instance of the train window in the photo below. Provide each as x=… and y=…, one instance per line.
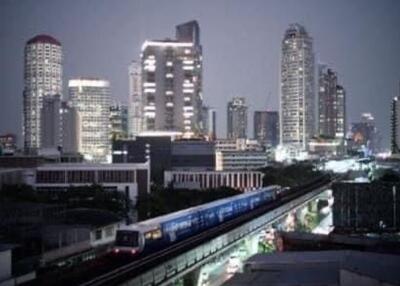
x=157, y=234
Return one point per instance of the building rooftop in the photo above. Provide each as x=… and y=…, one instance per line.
x=43, y=39
x=318, y=268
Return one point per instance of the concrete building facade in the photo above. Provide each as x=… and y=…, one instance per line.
x=297, y=119
x=42, y=78
x=91, y=98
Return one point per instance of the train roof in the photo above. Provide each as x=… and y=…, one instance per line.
x=154, y=222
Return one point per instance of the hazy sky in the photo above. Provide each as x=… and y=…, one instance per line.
x=241, y=41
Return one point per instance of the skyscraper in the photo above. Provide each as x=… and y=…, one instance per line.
x=91, y=97
x=42, y=78
x=237, y=118
x=331, y=98
x=266, y=127
x=172, y=82
x=135, y=107
x=210, y=122
x=297, y=120
x=71, y=128
x=119, y=121
x=395, y=126
x=51, y=122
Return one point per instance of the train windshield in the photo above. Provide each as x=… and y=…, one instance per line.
x=127, y=238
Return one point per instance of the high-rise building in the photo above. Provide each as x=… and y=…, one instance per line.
x=237, y=118
x=297, y=120
x=331, y=111
x=51, y=122
x=119, y=121
x=60, y=125
x=172, y=83
x=395, y=126
x=210, y=122
x=42, y=78
x=135, y=107
x=266, y=127
x=91, y=98
x=71, y=128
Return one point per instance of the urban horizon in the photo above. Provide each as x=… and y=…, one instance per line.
x=256, y=100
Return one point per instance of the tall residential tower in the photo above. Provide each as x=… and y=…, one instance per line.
x=237, y=118
x=172, y=82
x=297, y=119
x=332, y=105
x=42, y=78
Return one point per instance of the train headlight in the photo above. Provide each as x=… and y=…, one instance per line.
x=133, y=251
x=116, y=250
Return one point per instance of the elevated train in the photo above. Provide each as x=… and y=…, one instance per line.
x=160, y=232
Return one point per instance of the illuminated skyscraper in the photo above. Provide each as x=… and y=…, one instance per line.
x=91, y=97
x=297, y=119
x=42, y=78
x=237, y=118
x=332, y=104
x=172, y=82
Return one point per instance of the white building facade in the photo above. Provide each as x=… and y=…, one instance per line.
x=297, y=100
x=91, y=98
x=172, y=83
x=135, y=108
x=42, y=78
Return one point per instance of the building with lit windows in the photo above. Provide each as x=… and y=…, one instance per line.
x=135, y=108
x=119, y=120
x=172, y=82
x=201, y=179
x=42, y=78
x=237, y=118
x=331, y=98
x=297, y=120
x=91, y=98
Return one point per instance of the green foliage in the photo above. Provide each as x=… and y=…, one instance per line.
x=162, y=201
x=74, y=197
x=289, y=176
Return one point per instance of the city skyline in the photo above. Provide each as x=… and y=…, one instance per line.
x=370, y=84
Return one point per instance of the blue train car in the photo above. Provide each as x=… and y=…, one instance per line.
x=154, y=234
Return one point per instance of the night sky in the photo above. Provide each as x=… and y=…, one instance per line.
x=241, y=47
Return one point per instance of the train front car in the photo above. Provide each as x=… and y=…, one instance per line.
x=129, y=240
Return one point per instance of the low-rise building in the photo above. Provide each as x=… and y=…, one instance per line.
x=134, y=178
x=198, y=180
x=240, y=160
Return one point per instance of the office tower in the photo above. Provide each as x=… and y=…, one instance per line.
x=210, y=123
x=237, y=118
x=266, y=127
x=135, y=111
x=297, y=123
x=119, y=121
x=172, y=83
x=331, y=98
x=70, y=128
x=51, y=122
x=395, y=126
x=91, y=98
x=42, y=78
